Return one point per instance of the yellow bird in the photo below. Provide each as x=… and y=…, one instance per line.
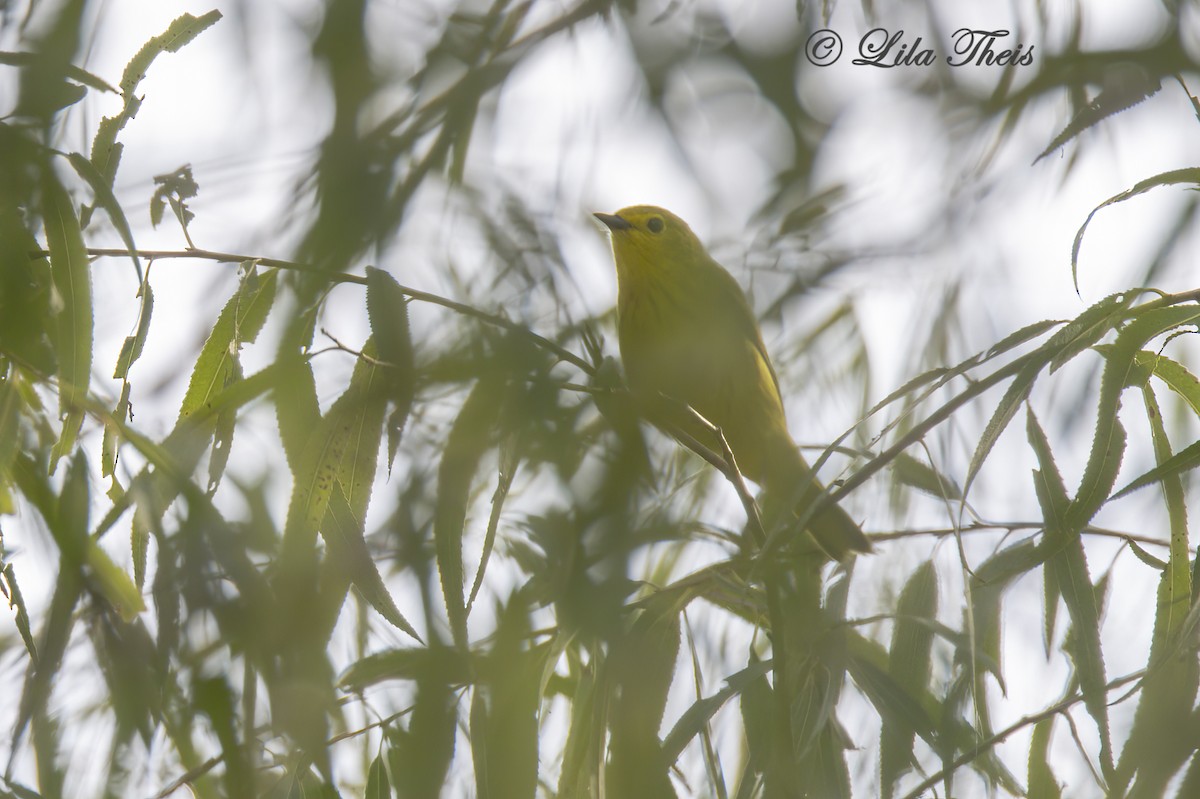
x=688, y=333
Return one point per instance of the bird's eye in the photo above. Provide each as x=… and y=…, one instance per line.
x=655, y=224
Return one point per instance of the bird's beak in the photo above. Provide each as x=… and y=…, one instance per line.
x=613, y=222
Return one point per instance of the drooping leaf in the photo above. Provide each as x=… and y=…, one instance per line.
x=1072, y=338
x=215, y=699
x=1065, y=556
x=1042, y=781
x=1125, y=85
x=131, y=350
x=72, y=276
x=239, y=323
x=378, y=785
x=909, y=665
x=103, y=192
x=1189, y=175
x=642, y=667
x=387, y=308
x=468, y=440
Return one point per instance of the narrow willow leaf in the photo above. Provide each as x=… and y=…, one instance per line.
x=178, y=456
x=315, y=481
x=1064, y=548
x=297, y=411
x=131, y=350
x=114, y=584
x=16, y=601
x=1158, y=745
x=762, y=756
x=1086, y=329
x=919, y=475
x=226, y=422
x=1179, y=379
x=989, y=582
x=111, y=442
x=140, y=530
x=642, y=664
x=378, y=784
x=57, y=626
x=410, y=663
x=10, y=426
x=1108, y=446
x=1042, y=782
x=583, y=748
x=1018, y=391
x=1053, y=491
x=421, y=759
x=215, y=699
x=344, y=532
x=103, y=192
x=1077, y=335
x=1184, y=383
x=72, y=277
x=699, y=714
x=182, y=30
x=939, y=376
x=239, y=323
x=25, y=59
x=898, y=707
x=1175, y=592
x=1125, y=84
x=1175, y=177
x=909, y=665
x=509, y=700
x=387, y=309
x=469, y=438
x=359, y=413
x=1183, y=461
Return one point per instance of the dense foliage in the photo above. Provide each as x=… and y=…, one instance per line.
x=446, y=557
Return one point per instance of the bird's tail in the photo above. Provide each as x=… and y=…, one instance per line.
x=793, y=484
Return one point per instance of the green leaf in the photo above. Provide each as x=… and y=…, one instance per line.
x=387, y=309
x=421, y=757
x=1065, y=555
x=909, y=665
x=182, y=30
x=699, y=714
x=103, y=193
x=239, y=323
x=1042, y=782
x=1175, y=592
x=359, y=414
x=1174, y=177
x=1181, y=462
x=226, y=423
x=642, y=667
x=16, y=601
x=10, y=426
x=24, y=59
x=378, y=784
x=215, y=699
x=72, y=277
x=113, y=583
x=451, y=668
x=469, y=438
x=131, y=350
x=504, y=712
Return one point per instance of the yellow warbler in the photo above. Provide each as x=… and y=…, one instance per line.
x=688, y=333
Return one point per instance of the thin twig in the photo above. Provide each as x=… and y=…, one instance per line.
x=191, y=776
x=561, y=352
x=1000, y=737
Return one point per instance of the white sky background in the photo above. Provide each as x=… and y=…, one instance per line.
x=567, y=138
